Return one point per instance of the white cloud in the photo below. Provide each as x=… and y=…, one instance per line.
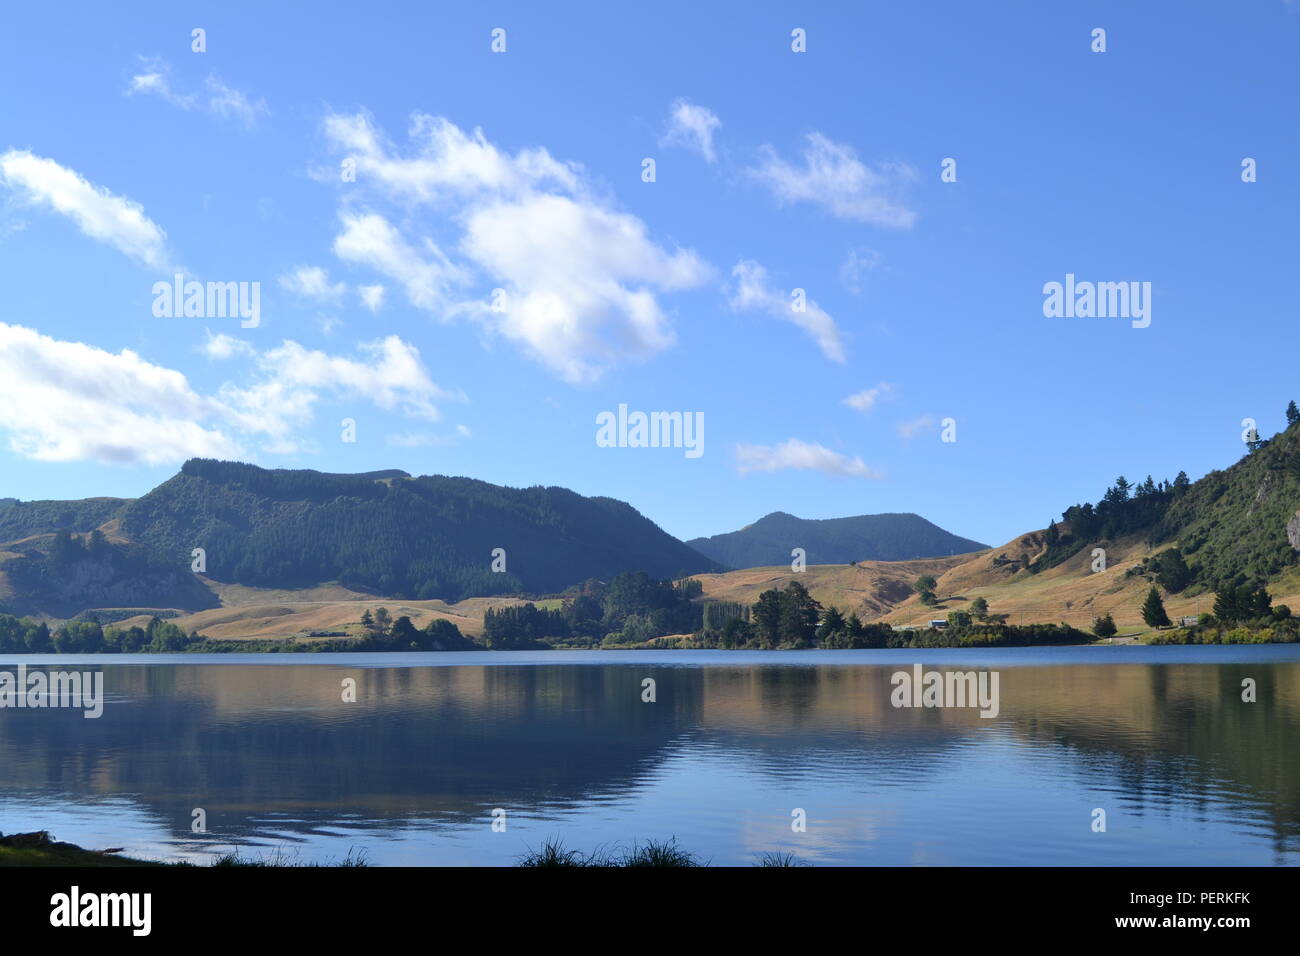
x=313, y=282
x=218, y=99
x=67, y=401
x=916, y=426
x=222, y=346
x=370, y=239
x=448, y=163
x=97, y=212
x=580, y=279
x=856, y=265
x=797, y=455
x=691, y=126
x=372, y=296
x=292, y=379
x=832, y=176
x=232, y=104
x=866, y=399
x=752, y=291
x=155, y=79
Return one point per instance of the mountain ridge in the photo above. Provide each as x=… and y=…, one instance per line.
x=890, y=536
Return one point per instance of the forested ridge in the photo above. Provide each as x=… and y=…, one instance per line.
x=881, y=537
x=1230, y=526
x=383, y=532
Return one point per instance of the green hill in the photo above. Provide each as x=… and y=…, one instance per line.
x=381, y=532
x=883, y=537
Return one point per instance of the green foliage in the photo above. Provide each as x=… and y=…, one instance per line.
x=522, y=627
x=1104, y=626
x=1244, y=603
x=718, y=614
x=64, y=574
x=989, y=635
x=1172, y=572
x=785, y=617
x=1231, y=525
x=422, y=538
x=1210, y=631
x=22, y=519
x=1153, y=609
x=652, y=853
x=884, y=537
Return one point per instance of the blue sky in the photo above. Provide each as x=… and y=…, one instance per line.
x=124, y=156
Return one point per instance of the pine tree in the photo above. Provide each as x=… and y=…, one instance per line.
x=832, y=624
x=1153, y=610
x=1292, y=414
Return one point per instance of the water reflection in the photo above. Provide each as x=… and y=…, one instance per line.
x=412, y=770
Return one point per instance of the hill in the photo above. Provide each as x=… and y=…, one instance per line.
x=386, y=533
x=883, y=537
x=1239, y=526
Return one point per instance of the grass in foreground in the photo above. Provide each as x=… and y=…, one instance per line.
x=654, y=853
x=40, y=849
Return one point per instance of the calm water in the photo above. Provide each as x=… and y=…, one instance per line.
x=411, y=772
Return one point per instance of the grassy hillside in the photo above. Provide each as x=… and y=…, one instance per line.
x=883, y=537
x=1231, y=527
x=872, y=588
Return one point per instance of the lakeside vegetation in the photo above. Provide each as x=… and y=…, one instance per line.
x=40, y=849
x=378, y=633
x=635, y=611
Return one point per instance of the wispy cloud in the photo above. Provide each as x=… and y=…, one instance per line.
x=313, y=282
x=831, y=176
x=216, y=97
x=855, y=267
x=372, y=296
x=98, y=213
x=752, y=291
x=865, y=400
x=692, y=126
x=916, y=426
x=426, y=274
x=795, y=454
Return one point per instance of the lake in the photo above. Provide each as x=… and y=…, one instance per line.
x=734, y=745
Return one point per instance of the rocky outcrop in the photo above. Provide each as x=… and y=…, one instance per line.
x=1293, y=531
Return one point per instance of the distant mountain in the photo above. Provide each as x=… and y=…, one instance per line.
x=885, y=537
x=383, y=532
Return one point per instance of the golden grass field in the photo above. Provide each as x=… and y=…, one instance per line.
x=877, y=590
